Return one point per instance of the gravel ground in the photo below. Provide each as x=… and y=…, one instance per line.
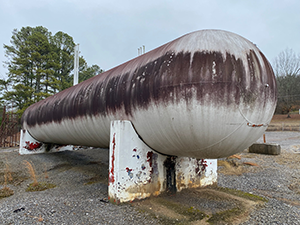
x=81, y=191
x=277, y=179
x=79, y=197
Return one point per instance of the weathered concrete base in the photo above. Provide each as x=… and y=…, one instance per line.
x=29, y=145
x=193, y=173
x=263, y=148
x=136, y=171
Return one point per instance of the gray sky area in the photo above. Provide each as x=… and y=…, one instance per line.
x=110, y=32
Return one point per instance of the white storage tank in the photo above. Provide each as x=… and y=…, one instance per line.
x=207, y=94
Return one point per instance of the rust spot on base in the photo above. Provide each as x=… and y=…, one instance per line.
x=111, y=175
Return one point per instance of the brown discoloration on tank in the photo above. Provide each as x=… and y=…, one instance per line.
x=197, y=96
x=167, y=79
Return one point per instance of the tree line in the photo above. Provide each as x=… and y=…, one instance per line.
x=39, y=64
x=287, y=71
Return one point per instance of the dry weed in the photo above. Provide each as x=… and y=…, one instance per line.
x=234, y=156
x=289, y=159
x=32, y=173
x=295, y=186
x=45, y=172
x=40, y=219
x=8, y=172
x=7, y=175
x=230, y=167
x=6, y=192
x=251, y=164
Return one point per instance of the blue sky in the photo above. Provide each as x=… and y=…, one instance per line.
x=110, y=32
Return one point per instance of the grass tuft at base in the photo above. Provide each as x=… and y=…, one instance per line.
x=6, y=192
x=40, y=186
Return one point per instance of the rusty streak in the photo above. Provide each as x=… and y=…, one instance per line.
x=167, y=78
x=176, y=96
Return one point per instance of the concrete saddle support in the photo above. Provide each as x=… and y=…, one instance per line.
x=29, y=145
x=136, y=171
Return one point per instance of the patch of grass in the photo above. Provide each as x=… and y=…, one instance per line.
x=96, y=179
x=166, y=220
x=170, y=212
x=242, y=194
x=191, y=213
x=6, y=192
x=225, y=215
x=40, y=186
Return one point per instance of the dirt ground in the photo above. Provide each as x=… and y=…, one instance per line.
x=279, y=118
x=281, y=122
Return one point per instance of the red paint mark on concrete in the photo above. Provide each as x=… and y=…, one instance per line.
x=204, y=164
x=111, y=175
x=32, y=145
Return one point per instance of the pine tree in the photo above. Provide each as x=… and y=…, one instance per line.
x=39, y=64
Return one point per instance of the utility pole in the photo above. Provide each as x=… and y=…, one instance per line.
x=141, y=50
x=76, y=64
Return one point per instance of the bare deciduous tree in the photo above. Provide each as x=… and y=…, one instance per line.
x=287, y=70
x=287, y=63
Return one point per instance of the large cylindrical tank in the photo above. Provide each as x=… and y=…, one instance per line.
x=207, y=94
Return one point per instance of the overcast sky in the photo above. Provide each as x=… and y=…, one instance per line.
x=110, y=32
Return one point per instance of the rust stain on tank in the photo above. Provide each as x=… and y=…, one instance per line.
x=169, y=77
x=184, y=81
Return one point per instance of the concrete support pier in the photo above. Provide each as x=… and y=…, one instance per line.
x=136, y=171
